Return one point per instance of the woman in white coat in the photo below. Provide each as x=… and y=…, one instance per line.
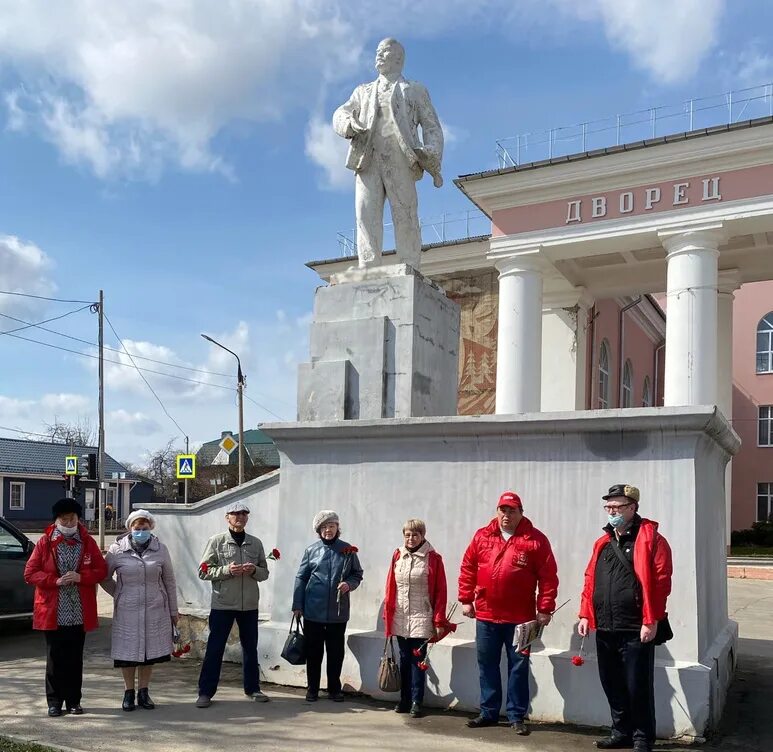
x=141, y=580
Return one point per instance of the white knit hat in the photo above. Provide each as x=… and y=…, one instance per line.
x=140, y=514
x=326, y=515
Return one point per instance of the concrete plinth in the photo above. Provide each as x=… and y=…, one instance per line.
x=382, y=344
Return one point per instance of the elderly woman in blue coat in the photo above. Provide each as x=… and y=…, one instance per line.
x=329, y=571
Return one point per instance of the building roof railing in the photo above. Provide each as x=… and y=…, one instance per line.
x=689, y=115
x=448, y=226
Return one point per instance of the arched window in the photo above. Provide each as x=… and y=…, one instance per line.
x=646, y=393
x=627, y=395
x=765, y=344
x=604, y=376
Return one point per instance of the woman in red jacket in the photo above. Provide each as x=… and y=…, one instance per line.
x=414, y=609
x=65, y=568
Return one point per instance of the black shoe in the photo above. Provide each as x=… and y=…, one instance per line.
x=615, y=742
x=312, y=696
x=54, y=711
x=416, y=711
x=481, y=722
x=400, y=708
x=128, y=700
x=520, y=728
x=143, y=699
x=642, y=746
x=75, y=709
x=337, y=696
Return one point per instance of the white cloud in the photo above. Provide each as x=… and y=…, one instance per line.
x=137, y=422
x=23, y=268
x=34, y=414
x=328, y=150
x=130, y=88
x=755, y=66
x=69, y=403
x=667, y=39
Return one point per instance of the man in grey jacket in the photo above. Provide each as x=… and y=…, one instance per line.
x=234, y=562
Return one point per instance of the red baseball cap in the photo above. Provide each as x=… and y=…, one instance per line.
x=510, y=499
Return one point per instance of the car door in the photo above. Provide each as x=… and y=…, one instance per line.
x=15, y=595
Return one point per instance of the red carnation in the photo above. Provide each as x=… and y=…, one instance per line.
x=416, y=653
x=176, y=653
x=204, y=567
x=577, y=660
x=353, y=550
x=275, y=553
x=187, y=649
x=423, y=665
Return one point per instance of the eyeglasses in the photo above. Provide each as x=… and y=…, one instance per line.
x=616, y=507
x=239, y=514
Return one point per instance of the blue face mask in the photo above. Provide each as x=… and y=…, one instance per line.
x=141, y=536
x=616, y=520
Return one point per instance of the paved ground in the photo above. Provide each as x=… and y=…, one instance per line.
x=233, y=724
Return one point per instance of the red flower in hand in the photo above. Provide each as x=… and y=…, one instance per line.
x=275, y=553
x=187, y=649
x=577, y=660
x=423, y=665
x=176, y=653
x=416, y=653
x=204, y=567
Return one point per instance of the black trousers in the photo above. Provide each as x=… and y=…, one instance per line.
x=322, y=637
x=64, y=665
x=412, y=678
x=626, y=670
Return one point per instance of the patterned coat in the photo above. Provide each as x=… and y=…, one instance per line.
x=144, y=600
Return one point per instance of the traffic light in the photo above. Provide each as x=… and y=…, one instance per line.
x=181, y=488
x=66, y=482
x=91, y=465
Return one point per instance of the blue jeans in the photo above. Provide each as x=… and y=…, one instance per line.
x=220, y=623
x=490, y=638
x=412, y=678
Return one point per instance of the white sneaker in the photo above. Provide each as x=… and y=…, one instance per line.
x=259, y=696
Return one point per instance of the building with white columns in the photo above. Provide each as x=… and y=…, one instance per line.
x=561, y=303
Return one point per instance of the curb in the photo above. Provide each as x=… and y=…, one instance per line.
x=750, y=572
x=42, y=743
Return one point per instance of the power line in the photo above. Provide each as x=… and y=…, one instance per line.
x=263, y=407
x=112, y=349
x=28, y=325
x=26, y=433
x=119, y=363
x=43, y=297
x=147, y=383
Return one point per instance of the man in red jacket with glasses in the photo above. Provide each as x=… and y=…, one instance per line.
x=627, y=582
x=507, y=562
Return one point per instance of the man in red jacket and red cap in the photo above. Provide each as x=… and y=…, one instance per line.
x=504, y=565
x=627, y=582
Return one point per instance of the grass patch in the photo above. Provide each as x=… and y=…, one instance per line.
x=8, y=745
x=751, y=551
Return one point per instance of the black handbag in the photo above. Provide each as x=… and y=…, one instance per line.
x=663, y=632
x=294, y=650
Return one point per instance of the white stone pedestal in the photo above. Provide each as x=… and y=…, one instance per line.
x=384, y=344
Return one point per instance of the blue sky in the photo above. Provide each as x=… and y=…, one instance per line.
x=178, y=154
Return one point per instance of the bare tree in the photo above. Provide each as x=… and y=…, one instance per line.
x=79, y=432
x=161, y=469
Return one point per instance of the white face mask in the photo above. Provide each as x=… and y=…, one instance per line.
x=67, y=532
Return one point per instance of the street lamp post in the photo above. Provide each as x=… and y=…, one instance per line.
x=240, y=392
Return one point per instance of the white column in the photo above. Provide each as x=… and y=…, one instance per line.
x=564, y=336
x=519, y=339
x=691, y=316
x=728, y=284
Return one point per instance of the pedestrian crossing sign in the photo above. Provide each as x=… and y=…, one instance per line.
x=186, y=466
x=70, y=465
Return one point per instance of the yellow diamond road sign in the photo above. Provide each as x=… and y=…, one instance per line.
x=70, y=465
x=228, y=444
x=186, y=466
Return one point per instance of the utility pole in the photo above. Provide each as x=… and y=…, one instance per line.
x=185, y=481
x=71, y=479
x=101, y=458
x=240, y=392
